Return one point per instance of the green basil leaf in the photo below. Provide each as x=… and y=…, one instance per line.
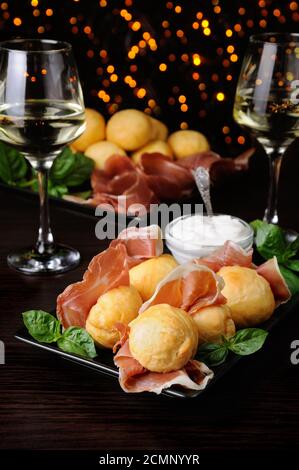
x=76, y=340
x=42, y=326
x=56, y=190
x=291, y=279
x=71, y=169
x=269, y=240
x=247, y=341
x=83, y=194
x=13, y=166
x=212, y=354
x=256, y=224
x=293, y=248
x=292, y=264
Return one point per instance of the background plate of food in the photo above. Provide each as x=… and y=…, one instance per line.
x=132, y=155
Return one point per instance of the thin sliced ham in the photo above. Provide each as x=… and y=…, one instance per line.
x=156, y=178
x=188, y=286
x=134, y=378
x=106, y=270
x=140, y=243
x=121, y=178
x=230, y=254
x=168, y=180
x=270, y=271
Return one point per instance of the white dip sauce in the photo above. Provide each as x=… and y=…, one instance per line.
x=195, y=236
x=206, y=230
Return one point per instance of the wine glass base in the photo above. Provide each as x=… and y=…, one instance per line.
x=28, y=261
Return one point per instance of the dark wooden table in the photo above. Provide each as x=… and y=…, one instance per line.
x=47, y=403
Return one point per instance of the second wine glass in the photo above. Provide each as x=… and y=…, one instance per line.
x=41, y=111
x=267, y=100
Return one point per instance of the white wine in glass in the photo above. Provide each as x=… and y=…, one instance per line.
x=267, y=100
x=41, y=111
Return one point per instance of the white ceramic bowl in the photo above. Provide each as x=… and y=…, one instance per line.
x=185, y=251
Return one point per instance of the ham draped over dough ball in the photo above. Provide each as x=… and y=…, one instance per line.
x=163, y=338
x=118, y=305
x=147, y=275
x=135, y=298
x=249, y=295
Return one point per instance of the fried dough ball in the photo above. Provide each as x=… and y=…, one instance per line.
x=249, y=295
x=187, y=142
x=130, y=129
x=145, y=276
x=159, y=130
x=213, y=322
x=156, y=146
x=94, y=131
x=163, y=338
x=120, y=304
x=101, y=151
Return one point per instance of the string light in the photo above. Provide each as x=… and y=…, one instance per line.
x=159, y=47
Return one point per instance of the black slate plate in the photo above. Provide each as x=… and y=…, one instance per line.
x=103, y=363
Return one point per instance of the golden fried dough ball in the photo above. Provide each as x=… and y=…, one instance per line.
x=213, y=322
x=156, y=146
x=163, y=338
x=145, y=276
x=101, y=151
x=130, y=129
x=187, y=142
x=159, y=130
x=94, y=131
x=120, y=304
x=249, y=295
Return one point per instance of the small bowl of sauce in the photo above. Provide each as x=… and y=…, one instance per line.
x=197, y=236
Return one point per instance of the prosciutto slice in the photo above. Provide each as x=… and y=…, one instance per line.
x=230, y=254
x=106, y=270
x=270, y=271
x=156, y=178
x=140, y=243
x=121, y=178
x=188, y=286
x=134, y=378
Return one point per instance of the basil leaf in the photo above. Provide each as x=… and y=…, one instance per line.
x=293, y=248
x=256, y=224
x=212, y=354
x=76, y=340
x=13, y=166
x=291, y=279
x=269, y=240
x=56, y=190
x=42, y=326
x=293, y=264
x=247, y=341
x=71, y=169
x=83, y=194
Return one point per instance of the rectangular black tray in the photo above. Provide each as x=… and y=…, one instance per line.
x=103, y=363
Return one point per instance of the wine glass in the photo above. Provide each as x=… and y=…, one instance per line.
x=41, y=111
x=267, y=100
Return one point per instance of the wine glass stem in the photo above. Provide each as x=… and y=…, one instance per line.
x=45, y=238
x=275, y=158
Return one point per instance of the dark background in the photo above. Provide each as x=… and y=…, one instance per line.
x=104, y=33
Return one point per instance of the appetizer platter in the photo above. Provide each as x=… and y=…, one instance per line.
x=168, y=327
x=132, y=156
